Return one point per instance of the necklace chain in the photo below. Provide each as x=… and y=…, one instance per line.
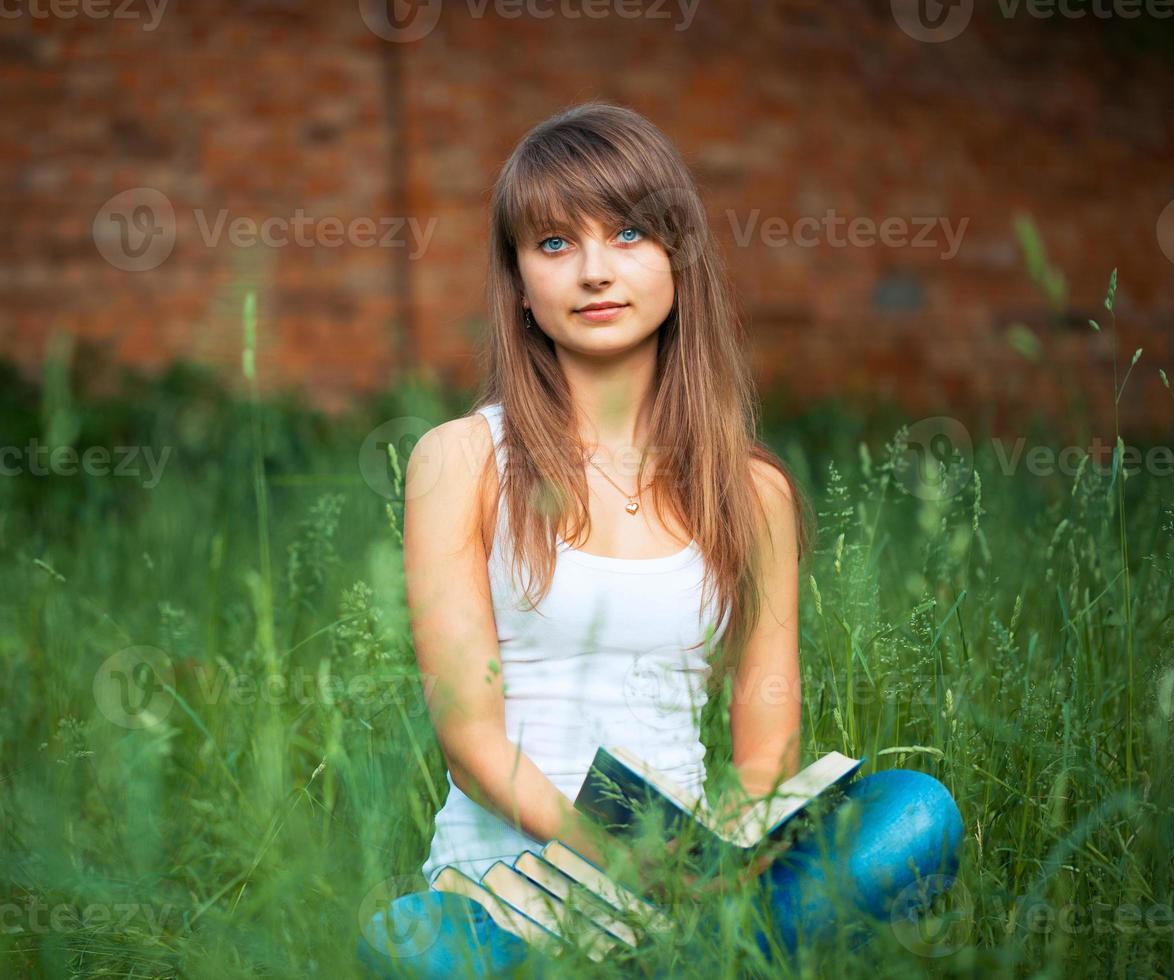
x=633, y=504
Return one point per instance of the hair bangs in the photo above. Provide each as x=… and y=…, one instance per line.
x=560, y=182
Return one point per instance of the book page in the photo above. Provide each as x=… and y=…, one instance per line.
x=791, y=796
x=574, y=895
x=696, y=805
x=510, y=919
x=543, y=907
x=620, y=897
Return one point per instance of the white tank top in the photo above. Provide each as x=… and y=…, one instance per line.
x=604, y=664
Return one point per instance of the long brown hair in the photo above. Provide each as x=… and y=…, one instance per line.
x=610, y=163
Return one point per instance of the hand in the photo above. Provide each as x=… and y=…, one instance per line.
x=769, y=852
x=718, y=885
x=650, y=871
x=741, y=877
x=733, y=806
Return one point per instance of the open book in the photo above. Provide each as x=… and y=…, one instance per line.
x=558, y=898
x=620, y=786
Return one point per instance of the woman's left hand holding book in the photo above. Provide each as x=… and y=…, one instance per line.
x=731, y=809
x=733, y=880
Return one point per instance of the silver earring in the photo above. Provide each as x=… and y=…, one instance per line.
x=529, y=318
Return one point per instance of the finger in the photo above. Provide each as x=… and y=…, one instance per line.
x=709, y=888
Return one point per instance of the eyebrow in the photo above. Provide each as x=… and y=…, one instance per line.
x=573, y=227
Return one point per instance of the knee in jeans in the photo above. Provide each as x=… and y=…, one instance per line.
x=908, y=801
x=408, y=927
x=911, y=786
x=933, y=795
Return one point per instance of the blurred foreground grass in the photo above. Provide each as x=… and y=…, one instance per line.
x=216, y=758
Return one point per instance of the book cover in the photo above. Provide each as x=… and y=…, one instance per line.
x=521, y=904
x=648, y=915
x=620, y=788
x=558, y=899
x=574, y=895
x=502, y=912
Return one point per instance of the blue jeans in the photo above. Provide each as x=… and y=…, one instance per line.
x=901, y=827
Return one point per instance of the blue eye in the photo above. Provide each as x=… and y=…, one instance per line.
x=558, y=238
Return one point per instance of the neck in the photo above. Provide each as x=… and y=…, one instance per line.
x=612, y=398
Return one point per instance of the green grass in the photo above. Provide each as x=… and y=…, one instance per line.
x=985, y=638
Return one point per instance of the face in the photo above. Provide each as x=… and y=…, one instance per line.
x=564, y=271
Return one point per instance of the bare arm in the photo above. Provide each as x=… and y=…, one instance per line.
x=455, y=635
x=765, y=706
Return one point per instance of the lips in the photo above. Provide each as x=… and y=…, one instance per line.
x=600, y=306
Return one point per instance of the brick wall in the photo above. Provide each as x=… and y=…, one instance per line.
x=268, y=110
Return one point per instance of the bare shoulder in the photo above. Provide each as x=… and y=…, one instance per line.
x=771, y=484
x=453, y=444
x=443, y=476
x=776, y=499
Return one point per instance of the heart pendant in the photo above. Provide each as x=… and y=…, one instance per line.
x=632, y=507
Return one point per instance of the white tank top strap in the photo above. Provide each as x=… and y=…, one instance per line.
x=494, y=415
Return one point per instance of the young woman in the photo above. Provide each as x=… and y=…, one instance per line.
x=603, y=543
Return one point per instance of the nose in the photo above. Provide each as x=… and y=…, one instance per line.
x=595, y=269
